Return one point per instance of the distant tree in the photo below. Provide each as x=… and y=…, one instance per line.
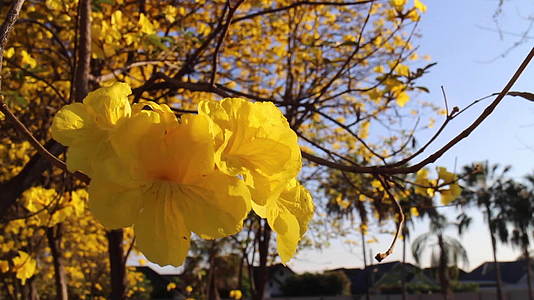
x=482, y=183
x=451, y=251
x=517, y=203
x=308, y=284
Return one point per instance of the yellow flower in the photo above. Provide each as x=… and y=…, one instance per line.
x=254, y=140
x=25, y=266
x=450, y=194
x=188, y=289
x=171, y=286
x=398, y=4
x=86, y=127
x=236, y=294
x=4, y=266
x=422, y=184
x=447, y=176
x=165, y=183
x=419, y=5
x=288, y=216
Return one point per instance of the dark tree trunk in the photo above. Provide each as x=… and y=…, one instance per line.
x=240, y=271
x=29, y=291
x=117, y=263
x=367, y=281
x=261, y=274
x=444, y=270
x=529, y=273
x=213, y=291
x=54, y=242
x=82, y=66
x=403, y=267
x=494, y=249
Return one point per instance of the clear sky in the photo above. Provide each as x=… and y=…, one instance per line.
x=464, y=39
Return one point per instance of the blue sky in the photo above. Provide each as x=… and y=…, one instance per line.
x=463, y=38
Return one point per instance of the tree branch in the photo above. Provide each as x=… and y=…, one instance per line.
x=5, y=29
x=437, y=154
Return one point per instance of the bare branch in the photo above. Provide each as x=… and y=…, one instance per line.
x=297, y=4
x=83, y=51
x=6, y=28
x=437, y=154
x=380, y=256
x=35, y=143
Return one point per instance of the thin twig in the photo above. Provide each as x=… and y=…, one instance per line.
x=380, y=256
x=6, y=28
x=445, y=100
x=130, y=247
x=35, y=143
x=231, y=11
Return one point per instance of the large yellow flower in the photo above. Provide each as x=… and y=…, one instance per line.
x=169, y=177
x=254, y=140
x=166, y=184
x=85, y=127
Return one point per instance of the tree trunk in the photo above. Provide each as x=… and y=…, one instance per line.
x=366, y=271
x=213, y=291
x=82, y=66
x=117, y=263
x=403, y=267
x=29, y=292
x=240, y=271
x=261, y=273
x=529, y=273
x=444, y=270
x=54, y=242
x=494, y=249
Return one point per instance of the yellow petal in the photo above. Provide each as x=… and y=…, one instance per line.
x=286, y=227
x=253, y=140
x=289, y=216
x=112, y=204
x=160, y=231
x=109, y=104
x=216, y=205
x=298, y=201
x=182, y=154
x=73, y=123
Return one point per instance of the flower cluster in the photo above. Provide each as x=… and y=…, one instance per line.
x=169, y=176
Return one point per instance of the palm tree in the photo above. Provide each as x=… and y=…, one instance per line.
x=517, y=204
x=481, y=185
x=451, y=251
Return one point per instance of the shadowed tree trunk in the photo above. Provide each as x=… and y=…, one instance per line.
x=367, y=297
x=529, y=273
x=491, y=228
x=403, y=267
x=54, y=242
x=213, y=291
x=444, y=270
x=117, y=263
x=261, y=274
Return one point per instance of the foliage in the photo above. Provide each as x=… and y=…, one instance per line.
x=309, y=284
